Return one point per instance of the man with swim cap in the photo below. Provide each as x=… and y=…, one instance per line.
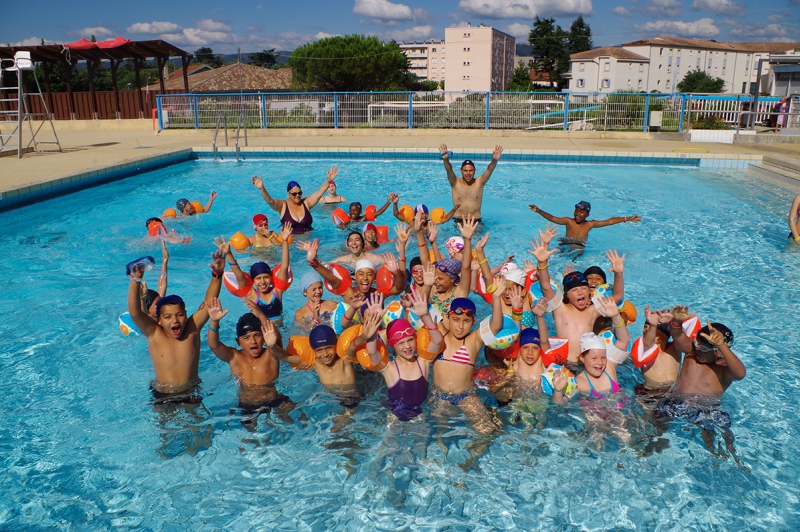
x=468, y=191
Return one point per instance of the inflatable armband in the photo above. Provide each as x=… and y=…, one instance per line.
x=436, y=215
x=340, y=217
x=127, y=326
x=382, y=233
x=384, y=281
x=280, y=284
x=342, y=273
x=536, y=293
x=423, y=341
x=507, y=335
x=239, y=241
x=232, y=286
x=369, y=213
x=300, y=346
x=170, y=213
x=549, y=375
x=406, y=212
x=558, y=353
x=691, y=327
x=642, y=358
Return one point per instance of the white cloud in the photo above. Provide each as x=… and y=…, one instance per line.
x=520, y=31
x=254, y=29
x=526, y=9
x=322, y=35
x=287, y=40
x=100, y=33
x=207, y=24
x=410, y=34
x=31, y=41
x=622, y=11
x=720, y=7
x=153, y=28
x=664, y=8
x=764, y=32
x=703, y=28
x=382, y=10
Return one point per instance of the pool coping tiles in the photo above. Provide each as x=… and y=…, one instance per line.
x=62, y=185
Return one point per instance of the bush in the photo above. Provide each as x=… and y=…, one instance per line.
x=710, y=122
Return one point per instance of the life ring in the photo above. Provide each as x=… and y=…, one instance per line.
x=232, y=286
x=239, y=241
x=423, y=341
x=613, y=353
x=530, y=278
x=481, y=289
x=547, y=381
x=382, y=233
x=341, y=273
x=170, y=213
x=198, y=207
x=336, y=317
x=393, y=312
x=300, y=346
x=384, y=281
x=369, y=213
x=642, y=358
x=558, y=353
x=127, y=326
x=536, y=293
x=340, y=217
x=436, y=215
x=507, y=335
x=406, y=213
x=280, y=284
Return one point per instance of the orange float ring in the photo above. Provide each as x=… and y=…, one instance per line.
x=342, y=273
x=300, y=346
x=239, y=241
x=232, y=286
x=280, y=284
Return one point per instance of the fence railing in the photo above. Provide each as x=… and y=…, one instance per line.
x=622, y=111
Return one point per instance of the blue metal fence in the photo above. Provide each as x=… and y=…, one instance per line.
x=624, y=111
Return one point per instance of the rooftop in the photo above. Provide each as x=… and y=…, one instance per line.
x=608, y=51
x=768, y=47
x=235, y=77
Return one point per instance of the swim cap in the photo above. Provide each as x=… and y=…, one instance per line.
x=463, y=303
x=397, y=330
x=370, y=226
x=574, y=280
x=726, y=333
x=584, y=206
x=454, y=244
x=181, y=204
x=595, y=270
x=247, y=323
x=151, y=220
x=516, y=276
x=291, y=185
x=467, y=163
x=259, y=268
x=421, y=208
x=356, y=204
x=591, y=341
x=449, y=267
x=169, y=300
x=529, y=336
x=259, y=219
x=365, y=264
x=308, y=279
x=321, y=336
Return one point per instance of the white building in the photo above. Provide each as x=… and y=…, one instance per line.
x=661, y=63
x=477, y=58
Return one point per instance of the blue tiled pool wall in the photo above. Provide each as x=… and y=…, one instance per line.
x=59, y=187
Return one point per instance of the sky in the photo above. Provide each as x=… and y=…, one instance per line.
x=261, y=24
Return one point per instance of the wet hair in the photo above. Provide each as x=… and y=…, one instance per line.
x=416, y=261
x=346, y=240
x=149, y=298
x=601, y=324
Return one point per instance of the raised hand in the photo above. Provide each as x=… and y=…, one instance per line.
x=222, y=244
x=310, y=247
x=286, y=232
x=568, y=269
x=213, y=194
x=617, y=262
x=653, y=318
x=516, y=296
x=482, y=242
x=498, y=151
x=394, y=197
x=390, y=262
x=560, y=380
x=607, y=306
x=428, y=275
x=164, y=252
x=375, y=303
x=529, y=265
x=270, y=333
x=357, y=300
x=332, y=173
x=444, y=151
x=417, y=302
x=540, y=250
x=217, y=262
x=370, y=323
x=681, y=313
x=550, y=232
x=433, y=230
x=715, y=338
x=257, y=181
x=468, y=226
x=635, y=218
x=418, y=221
x=533, y=207
x=254, y=308
x=540, y=308
x=215, y=311
x=500, y=282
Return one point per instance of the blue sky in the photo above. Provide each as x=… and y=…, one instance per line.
x=261, y=24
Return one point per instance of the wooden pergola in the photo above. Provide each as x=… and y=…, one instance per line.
x=138, y=51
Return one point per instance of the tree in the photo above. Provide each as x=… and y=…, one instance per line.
x=580, y=36
x=521, y=80
x=349, y=63
x=699, y=81
x=205, y=56
x=265, y=59
x=548, y=46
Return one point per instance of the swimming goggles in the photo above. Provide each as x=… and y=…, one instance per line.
x=703, y=348
x=462, y=311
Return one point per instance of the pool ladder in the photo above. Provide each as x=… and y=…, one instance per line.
x=241, y=125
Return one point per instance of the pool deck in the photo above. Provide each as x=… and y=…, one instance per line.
x=94, y=145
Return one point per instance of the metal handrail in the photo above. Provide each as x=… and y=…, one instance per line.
x=753, y=123
x=241, y=122
x=221, y=118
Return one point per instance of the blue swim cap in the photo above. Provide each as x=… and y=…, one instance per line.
x=322, y=336
x=308, y=279
x=421, y=207
x=291, y=185
x=462, y=303
x=529, y=336
x=171, y=299
x=259, y=268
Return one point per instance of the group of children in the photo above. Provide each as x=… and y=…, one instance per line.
x=431, y=326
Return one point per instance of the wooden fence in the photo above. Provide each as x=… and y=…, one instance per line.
x=128, y=104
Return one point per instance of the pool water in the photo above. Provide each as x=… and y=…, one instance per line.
x=83, y=448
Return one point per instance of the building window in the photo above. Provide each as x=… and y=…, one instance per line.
x=442, y=60
x=442, y=49
x=433, y=71
x=659, y=66
x=466, y=48
x=744, y=87
x=640, y=84
x=661, y=51
x=433, y=50
x=753, y=86
x=667, y=83
x=465, y=77
x=709, y=62
x=698, y=60
x=629, y=82
x=641, y=67
x=466, y=63
x=581, y=67
x=607, y=67
x=442, y=70
x=606, y=83
x=581, y=82
x=467, y=35
x=433, y=61
x=669, y=61
x=630, y=66
x=747, y=66
x=678, y=61
x=724, y=63
x=658, y=83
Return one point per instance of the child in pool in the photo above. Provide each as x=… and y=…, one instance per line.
x=148, y=297
x=528, y=366
x=264, y=238
x=665, y=329
x=599, y=377
x=264, y=293
x=355, y=243
x=355, y=214
x=157, y=229
x=578, y=226
x=174, y=340
x=406, y=378
x=185, y=207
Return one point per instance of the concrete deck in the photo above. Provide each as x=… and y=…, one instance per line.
x=93, y=145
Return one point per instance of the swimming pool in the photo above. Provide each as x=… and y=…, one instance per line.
x=83, y=449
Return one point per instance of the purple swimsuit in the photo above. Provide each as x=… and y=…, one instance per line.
x=405, y=397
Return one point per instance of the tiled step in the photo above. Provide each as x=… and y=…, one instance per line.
x=783, y=162
x=779, y=175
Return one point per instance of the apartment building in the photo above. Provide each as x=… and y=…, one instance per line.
x=661, y=63
x=477, y=58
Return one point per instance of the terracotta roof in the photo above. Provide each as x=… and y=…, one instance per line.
x=608, y=51
x=539, y=76
x=767, y=47
x=233, y=78
x=193, y=69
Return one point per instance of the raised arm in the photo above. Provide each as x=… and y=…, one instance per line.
x=283, y=271
x=609, y=308
x=451, y=175
x=275, y=204
x=422, y=244
x=215, y=314
x=200, y=317
x=652, y=318
x=398, y=274
x=210, y=201
x=433, y=231
x=467, y=228
x=539, y=249
x=497, y=306
x=616, y=220
x=483, y=262
x=417, y=302
x=539, y=309
x=447, y=217
x=498, y=151
x=314, y=198
x=734, y=369
x=142, y=321
x=617, y=266
x=225, y=248
x=389, y=201
x=793, y=217
x=560, y=220
x=679, y=339
x=372, y=319
x=163, y=280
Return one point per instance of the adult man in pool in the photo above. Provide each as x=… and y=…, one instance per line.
x=174, y=340
x=468, y=191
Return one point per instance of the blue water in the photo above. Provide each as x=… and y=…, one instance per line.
x=82, y=448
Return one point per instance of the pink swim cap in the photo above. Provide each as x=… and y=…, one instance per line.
x=399, y=329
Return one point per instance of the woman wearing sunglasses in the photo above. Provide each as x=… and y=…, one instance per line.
x=296, y=210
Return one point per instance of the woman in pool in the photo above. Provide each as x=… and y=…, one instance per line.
x=355, y=243
x=295, y=210
x=794, y=218
x=332, y=196
x=316, y=310
x=264, y=238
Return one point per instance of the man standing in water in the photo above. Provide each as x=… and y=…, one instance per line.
x=468, y=191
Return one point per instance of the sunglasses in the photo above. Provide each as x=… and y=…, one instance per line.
x=295, y=194
x=703, y=348
x=462, y=312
